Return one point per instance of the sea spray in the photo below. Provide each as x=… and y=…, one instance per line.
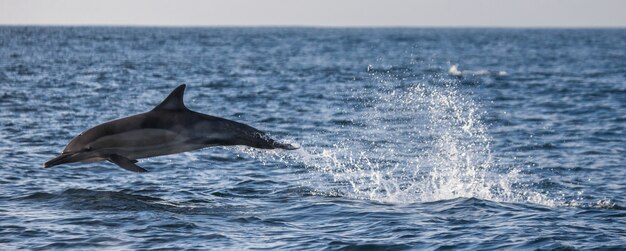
x=412, y=142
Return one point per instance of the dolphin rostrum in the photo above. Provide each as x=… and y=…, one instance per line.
x=169, y=128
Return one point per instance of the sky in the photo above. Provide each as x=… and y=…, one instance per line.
x=337, y=13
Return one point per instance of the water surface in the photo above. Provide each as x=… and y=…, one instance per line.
x=521, y=145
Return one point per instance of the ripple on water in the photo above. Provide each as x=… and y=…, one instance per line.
x=86, y=199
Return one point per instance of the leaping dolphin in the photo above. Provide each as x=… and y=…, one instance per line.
x=169, y=128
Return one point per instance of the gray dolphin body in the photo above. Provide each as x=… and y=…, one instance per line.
x=169, y=128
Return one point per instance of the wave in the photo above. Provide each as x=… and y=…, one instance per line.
x=86, y=199
x=454, y=71
x=598, y=204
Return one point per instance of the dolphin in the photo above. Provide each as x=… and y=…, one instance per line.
x=169, y=128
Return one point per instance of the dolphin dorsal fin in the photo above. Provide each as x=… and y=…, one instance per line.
x=174, y=101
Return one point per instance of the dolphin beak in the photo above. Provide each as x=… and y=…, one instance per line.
x=61, y=159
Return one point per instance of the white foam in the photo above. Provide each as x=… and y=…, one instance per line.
x=425, y=143
x=454, y=71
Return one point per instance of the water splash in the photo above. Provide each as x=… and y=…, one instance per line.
x=454, y=71
x=412, y=143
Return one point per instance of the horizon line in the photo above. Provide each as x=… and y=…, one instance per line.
x=312, y=26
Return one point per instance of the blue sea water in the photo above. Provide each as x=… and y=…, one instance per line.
x=409, y=138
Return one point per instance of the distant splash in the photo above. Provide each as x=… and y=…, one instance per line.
x=416, y=143
x=454, y=71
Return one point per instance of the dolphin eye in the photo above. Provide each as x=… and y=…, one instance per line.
x=88, y=148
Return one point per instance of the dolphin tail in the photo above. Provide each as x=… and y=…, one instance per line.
x=285, y=146
x=262, y=141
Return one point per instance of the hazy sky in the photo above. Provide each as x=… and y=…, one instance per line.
x=429, y=13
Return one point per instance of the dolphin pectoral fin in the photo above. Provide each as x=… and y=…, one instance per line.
x=126, y=163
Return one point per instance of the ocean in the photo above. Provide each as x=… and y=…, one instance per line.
x=410, y=139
